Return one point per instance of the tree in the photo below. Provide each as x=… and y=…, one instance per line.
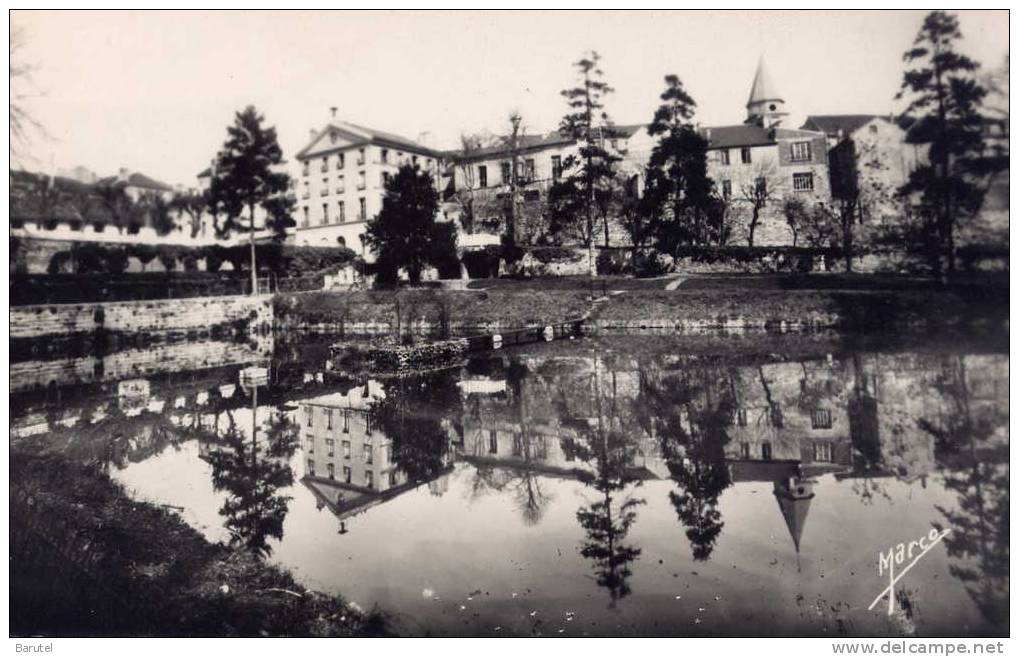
x=194, y=205
x=572, y=199
x=157, y=211
x=464, y=192
x=759, y=185
x=945, y=97
x=403, y=231
x=123, y=211
x=794, y=211
x=244, y=179
x=678, y=195
x=23, y=123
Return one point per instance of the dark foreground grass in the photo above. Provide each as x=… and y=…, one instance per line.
x=86, y=560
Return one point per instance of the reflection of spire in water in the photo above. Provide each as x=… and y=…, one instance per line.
x=794, y=496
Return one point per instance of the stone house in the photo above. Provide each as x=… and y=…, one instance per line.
x=761, y=162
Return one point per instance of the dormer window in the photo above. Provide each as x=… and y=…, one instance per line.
x=334, y=136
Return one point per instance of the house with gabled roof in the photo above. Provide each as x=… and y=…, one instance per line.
x=762, y=153
x=341, y=181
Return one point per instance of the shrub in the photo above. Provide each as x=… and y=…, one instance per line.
x=168, y=260
x=613, y=262
x=116, y=261
x=548, y=254
x=189, y=261
x=442, y=251
x=484, y=262
x=651, y=264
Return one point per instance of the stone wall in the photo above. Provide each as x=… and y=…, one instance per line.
x=157, y=316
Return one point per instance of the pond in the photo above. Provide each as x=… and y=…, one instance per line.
x=610, y=486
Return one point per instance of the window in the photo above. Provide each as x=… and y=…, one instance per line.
x=341, y=184
x=820, y=418
x=744, y=154
x=414, y=160
x=331, y=446
x=341, y=216
x=369, y=478
x=311, y=443
x=368, y=423
x=360, y=156
x=506, y=172
x=766, y=451
x=723, y=157
x=311, y=415
x=346, y=474
x=362, y=212
x=332, y=470
x=801, y=151
x=822, y=452
x=775, y=415
x=346, y=448
x=803, y=182
x=482, y=176
x=325, y=164
x=339, y=160
x=557, y=167
x=307, y=190
x=493, y=442
x=761, y=187
x=311, y=467
x=361, y=180
x=385, y=156
x=346, y=421
x=325, y=213
x=304, y=220
x=329, y=418
x=741, y=417
x=518, y=444
x=744, y=450
x=873, y=128
x=304, y=168
x=325, y=187
x=529, y=170
x=726, y=189
x=368, y=453
x=384, y=178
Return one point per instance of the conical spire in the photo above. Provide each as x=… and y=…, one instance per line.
x=763, y=88
x=794, y=502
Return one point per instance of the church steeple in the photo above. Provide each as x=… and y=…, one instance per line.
x=765, y=107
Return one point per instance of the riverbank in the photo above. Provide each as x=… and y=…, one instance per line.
x=774, y=303
x=86, y=560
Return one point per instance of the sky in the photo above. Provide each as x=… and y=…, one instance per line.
x=154, y=91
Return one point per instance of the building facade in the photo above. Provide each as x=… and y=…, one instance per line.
x=341, y=179
x=762, y=163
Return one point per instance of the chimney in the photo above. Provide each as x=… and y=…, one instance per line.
x=332, y=111
x=424, y=138
x=123, y=174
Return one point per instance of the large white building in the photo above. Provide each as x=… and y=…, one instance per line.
x=341, y=181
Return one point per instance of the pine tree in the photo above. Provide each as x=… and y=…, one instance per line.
x=944, y=97
x=403, y=232
x=678, y=196
x=244, y=180
x=573, y=201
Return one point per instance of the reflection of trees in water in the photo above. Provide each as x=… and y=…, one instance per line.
x=252, y=472
x=978, y=474
x=690, y=414
x=412, y=416
x=607, y=520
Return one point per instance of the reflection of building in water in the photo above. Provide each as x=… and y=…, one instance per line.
x=347, y=461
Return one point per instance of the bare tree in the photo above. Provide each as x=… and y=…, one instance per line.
x=758, y=185
x=22, y=89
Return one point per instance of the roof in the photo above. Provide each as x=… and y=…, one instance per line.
x=763, y=88
x=546, y=140
x=370, y=135
x=832, y=124
x=735, y=136
x=136, y=180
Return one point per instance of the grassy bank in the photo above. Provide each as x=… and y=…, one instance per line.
x=851, y=302
x=428, y=311
x=85, y=560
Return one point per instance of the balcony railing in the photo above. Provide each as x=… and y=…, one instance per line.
x=324, y=192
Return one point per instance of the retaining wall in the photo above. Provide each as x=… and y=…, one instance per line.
x=156, y=316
